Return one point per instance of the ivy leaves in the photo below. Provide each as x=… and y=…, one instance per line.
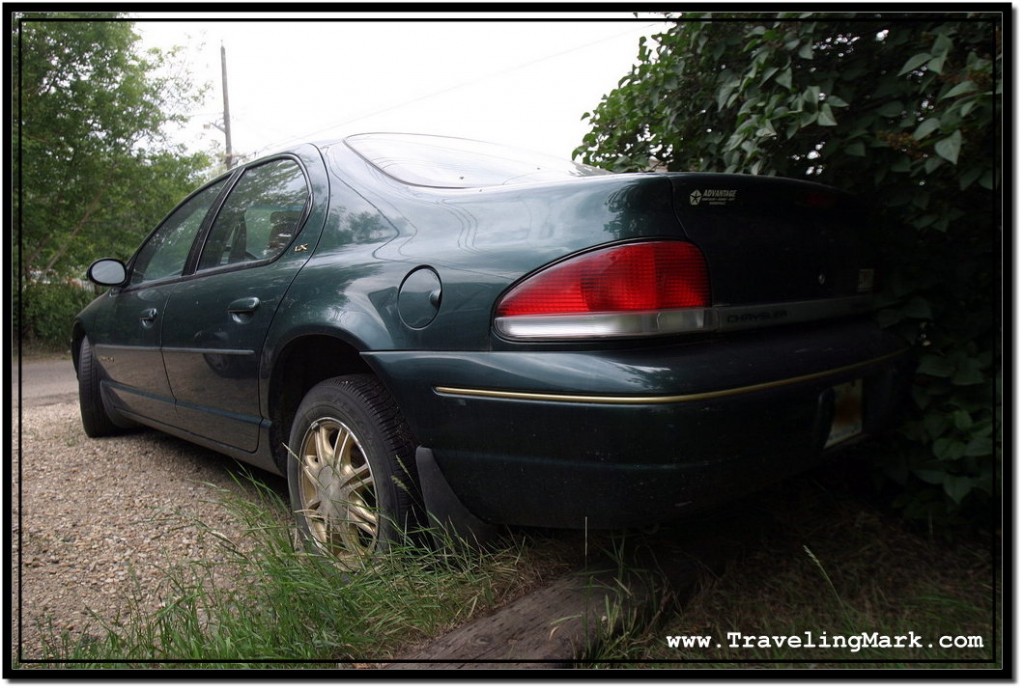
x=899, y=110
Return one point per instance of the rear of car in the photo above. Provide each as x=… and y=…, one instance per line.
x=641, y=347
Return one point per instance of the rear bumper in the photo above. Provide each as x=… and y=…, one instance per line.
x=617, y=438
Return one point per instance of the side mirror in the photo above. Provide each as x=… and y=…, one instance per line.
x=107, y=272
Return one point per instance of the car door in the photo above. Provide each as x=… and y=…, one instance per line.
x=128, y=344
x=216, y=321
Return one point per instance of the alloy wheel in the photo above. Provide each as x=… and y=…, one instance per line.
x=337, y=493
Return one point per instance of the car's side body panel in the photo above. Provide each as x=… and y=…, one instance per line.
x=130, y=352
x=192, y=368
x=216, y=327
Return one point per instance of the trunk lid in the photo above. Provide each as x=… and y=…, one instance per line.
x=776, y=245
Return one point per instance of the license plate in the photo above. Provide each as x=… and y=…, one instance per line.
x=848, y=420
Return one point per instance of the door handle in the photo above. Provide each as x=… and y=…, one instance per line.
x=244, y=305
x=148, y=315
x=241, y=310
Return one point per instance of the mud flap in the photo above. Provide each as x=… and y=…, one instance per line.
x=450, y=521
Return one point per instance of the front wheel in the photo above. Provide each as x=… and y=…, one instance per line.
x=96, y=421
x=350, y=474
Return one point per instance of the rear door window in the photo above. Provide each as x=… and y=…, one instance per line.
x=260, y=217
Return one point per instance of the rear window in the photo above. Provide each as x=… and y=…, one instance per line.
x=430, y=161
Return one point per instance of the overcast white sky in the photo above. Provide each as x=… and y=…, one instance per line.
x=295, y=77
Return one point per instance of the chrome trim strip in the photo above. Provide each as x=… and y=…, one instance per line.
x=603, y=324
x=677, y=321
x=111, y=346
x=198, y=351
x=209, y=351
x=731, y=318
x=655, y=400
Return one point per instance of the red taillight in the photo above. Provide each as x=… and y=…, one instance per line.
x=639, y=277
x=654, y=278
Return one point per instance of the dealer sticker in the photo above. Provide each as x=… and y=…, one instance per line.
x=712, y=197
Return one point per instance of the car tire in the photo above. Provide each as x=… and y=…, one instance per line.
x=96, y=421
x=351, y=477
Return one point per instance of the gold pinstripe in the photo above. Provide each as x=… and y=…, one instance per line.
x=654, y=400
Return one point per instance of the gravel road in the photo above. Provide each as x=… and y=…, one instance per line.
x=99, y=521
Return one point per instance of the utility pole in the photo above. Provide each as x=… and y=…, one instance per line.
x=228, y=157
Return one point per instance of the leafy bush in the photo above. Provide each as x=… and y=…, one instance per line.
x=48, y=310
x=904, y=111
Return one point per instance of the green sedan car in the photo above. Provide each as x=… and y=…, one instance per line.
x=424, y=329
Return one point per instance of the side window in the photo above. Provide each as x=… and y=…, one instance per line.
x=260, y=216
x=166, y=250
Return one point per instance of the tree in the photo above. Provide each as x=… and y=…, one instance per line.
x=93, y=163
x=96, y=168
x=904, y=111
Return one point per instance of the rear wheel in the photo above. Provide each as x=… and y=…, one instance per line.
x=350, y=478
x=95, y=419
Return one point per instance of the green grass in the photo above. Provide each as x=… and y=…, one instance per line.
x=820, y=555
x=284, y=607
